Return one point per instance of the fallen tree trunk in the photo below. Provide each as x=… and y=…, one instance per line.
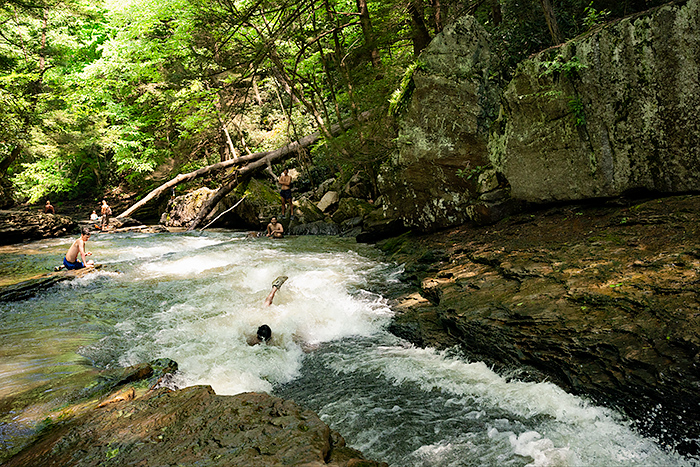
x=245, y=172
x=260, y=164
x=190, y=176
x=261, y=160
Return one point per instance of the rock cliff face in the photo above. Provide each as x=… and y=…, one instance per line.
x=613, y=111
x=444, y=131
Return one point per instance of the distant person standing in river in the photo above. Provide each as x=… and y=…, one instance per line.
x=285, y=181
x=106, y=212
x=78, y=247
x=48, y=208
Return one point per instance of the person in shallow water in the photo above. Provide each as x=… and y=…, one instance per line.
x=275, y=229
x=70, y=261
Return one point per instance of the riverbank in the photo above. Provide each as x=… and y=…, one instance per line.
x=601, y=298
x=134, y=415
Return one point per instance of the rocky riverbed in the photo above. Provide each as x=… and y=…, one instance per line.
x=600, y=298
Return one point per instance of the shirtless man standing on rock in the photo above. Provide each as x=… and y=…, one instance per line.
x=78, y=246
x=285, y=181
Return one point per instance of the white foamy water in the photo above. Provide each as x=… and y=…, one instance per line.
x=536, y=424
x=195, y=298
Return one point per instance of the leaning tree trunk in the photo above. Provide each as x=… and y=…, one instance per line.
x=261, y=164
x=244, y=172
x=190, y=176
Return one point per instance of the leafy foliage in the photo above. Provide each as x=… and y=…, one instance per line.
x=99, y=94
x=399, y=100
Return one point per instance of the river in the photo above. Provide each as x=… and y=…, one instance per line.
x=195, y=297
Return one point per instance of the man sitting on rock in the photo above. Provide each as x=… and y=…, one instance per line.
x=78, y=246
x=275, y=229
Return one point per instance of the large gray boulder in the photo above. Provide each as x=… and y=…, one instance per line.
x=444, y=132
x=610, y=112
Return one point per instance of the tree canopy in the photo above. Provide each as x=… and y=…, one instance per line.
x=120, y=94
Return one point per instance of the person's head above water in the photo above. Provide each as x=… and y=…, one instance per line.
x=264, y=332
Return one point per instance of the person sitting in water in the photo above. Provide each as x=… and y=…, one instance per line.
x=275, y=229
x=264, y=335
x=276, y=284
x=71, y=259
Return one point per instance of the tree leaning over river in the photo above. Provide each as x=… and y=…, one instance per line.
x=253, y=163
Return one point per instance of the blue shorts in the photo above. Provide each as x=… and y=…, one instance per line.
x=76, y=265
x=286, y=194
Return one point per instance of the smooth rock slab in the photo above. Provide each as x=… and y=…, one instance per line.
x=194, y=426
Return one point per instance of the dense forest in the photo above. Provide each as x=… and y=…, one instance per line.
x=113, y=96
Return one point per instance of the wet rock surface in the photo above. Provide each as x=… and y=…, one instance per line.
x=125, y=417
x=601, y=299
x=30, y=287
x=21, y=226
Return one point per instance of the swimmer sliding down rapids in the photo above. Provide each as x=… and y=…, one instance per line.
x=264, y=333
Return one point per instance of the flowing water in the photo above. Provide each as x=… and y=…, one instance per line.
x=195, y=298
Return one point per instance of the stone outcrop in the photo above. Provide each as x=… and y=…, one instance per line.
x=130, y=417
x=613, y=111
x=21, y=226
x=601, y=300
x=443, y=136
x=349, y=208
x=610, y=112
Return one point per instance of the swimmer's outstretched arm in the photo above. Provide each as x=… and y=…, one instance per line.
x=276, y=284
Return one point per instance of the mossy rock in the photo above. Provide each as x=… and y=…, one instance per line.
x=351, y=207
x=309, y=211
